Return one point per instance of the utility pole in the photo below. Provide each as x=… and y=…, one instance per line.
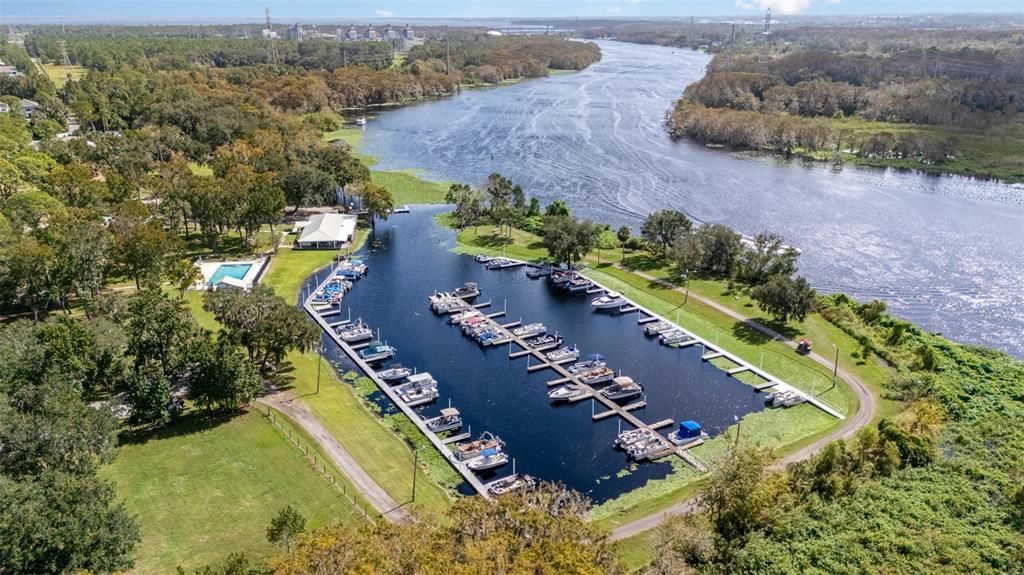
x=447, y=52
x=64, y=51
x=274, y=55
x=319, y=360
x=415, y=466
x=835, y=367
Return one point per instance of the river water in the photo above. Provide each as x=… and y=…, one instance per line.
x=945, y=252
x=412, y=259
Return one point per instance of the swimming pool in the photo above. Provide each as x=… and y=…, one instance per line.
x=237, y=271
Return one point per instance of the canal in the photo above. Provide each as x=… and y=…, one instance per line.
x=945, y=252
x=494, y=393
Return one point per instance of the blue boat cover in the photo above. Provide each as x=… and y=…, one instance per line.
x=689, y=428
x=489, y=452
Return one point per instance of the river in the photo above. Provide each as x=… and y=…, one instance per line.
x=945, y=252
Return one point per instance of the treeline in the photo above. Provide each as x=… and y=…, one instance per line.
x=827, y=95
x=490, y=59
x=935, y=489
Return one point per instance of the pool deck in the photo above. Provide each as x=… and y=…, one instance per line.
x=251, y=277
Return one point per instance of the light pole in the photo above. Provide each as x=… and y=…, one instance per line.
x=686, y=278
x=319, y=360
x=835, y=367
x=415, y=466
x=739, y=422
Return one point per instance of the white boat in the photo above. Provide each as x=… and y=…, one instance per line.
x=469, y=290
x=578, y=284
x=622, y=388
x=594, y=361
x=361, y=121
x=565, y=354
x=483, y=258
x=488, y=459
x=496, y=263
x=529, y=330
x=611, y=300
x=471, y=449
x=447, y=421
x=511, y=483
x=421, y=389
x=673, y=336
x=545, y=341
x=657, y=327
x=627, y=438
x=394, y=372
x=356, y=332
x=597, y=375
x=566, y=393
x=377, y=351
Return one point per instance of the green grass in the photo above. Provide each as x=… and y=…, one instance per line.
x=200, y=169
x=406, y=186
x=201, y=490
x=637, y=552
x=56, y=73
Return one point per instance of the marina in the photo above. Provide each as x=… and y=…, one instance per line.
x=502, y=383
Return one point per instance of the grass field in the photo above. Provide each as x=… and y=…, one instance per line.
x=407, y=186
x=56, y=73
x=783, y=430
x=202, y=490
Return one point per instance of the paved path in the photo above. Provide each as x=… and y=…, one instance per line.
x=866, y=406
x=356, y=475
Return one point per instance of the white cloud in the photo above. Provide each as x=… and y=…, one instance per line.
x=778, y=6
x=614, y=9
x=385, y=13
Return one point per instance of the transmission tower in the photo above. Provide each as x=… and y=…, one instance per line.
x=275, y=57
x=65, y=61
x=447, y=52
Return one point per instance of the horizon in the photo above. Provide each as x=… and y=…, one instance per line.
x=252, y=11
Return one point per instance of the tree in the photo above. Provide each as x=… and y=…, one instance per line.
x=286, y=527
x=623, y=234
x=81, y=248
x=159, y=329
x=534, y=209
x=262, y=323
x=377, y=201
x=711, y=248
x=785, y=297
x=606, y=240
x=556, y=208
x=28, y=274
x=183, y=274
x=740, y=496
x=507, y=202
x=149, y=393
x=568, y=239
x=664, y=227
x=468, y=202
x=306, y=185
x=768, y=257
x=223, y=381
x=29, y=208
x=141, y=244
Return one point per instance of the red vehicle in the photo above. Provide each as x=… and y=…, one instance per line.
x=804, y=347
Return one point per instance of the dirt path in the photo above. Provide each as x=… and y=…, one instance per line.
x=367, y=487
x=866, y=406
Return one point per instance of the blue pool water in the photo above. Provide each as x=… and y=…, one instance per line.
x=497, y=394
x=236, y=271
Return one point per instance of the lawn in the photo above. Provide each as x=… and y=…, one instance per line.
x=56, y=73
x=406, y=186
x=202, y=490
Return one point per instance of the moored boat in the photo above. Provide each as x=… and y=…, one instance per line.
x=376, y=352
x=593, y=361
x=622, y=388
x=496, y=263
x=471, y=449
x=627, y=438
x=420, y=389
x=511, y=483
x=597, y=375
x=447, y=421
x=688, y=432
x=488, y=459
x=578, y=284
x=356, y=332
x=657, y=327
x=529, y=330
x=566, y=392
x=394, y=372
x=544, y=341
x=469, y=290
x=610, y=300
x=672, y=337
x=565, y=354
x=483, y=258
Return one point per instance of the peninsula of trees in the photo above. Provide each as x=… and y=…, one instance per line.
x=939, y=101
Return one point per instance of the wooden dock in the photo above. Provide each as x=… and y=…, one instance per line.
x=329, y=312
x=628, y=309
x=460, y=467
x=739, y=369
x=335, y=324
x=495, y=314
x=512, y=325
x=482, y=305
x=594, y=290
x=712, y=355
x=662, y=423
x=455, y=438
x=559, y=381
x=649, y=319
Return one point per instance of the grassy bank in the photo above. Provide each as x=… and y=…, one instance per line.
x=407, y=186
x=202, y=489
x=783, y=430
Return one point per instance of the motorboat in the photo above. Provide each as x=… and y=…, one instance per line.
x=657, y=327
x=534, y=272
x=469, y=290
x=688, y=432
x=566, y=393
x=488, y=459
x=360, y=121
x=459, y=318
x=611, y=300
x=512, y=483
x=395, y=372
x=578, y=284
x=496, y=263
x=529, y=330
x=562, y=277
x=674, y=337
x=543, y=341
x=564, y=354
x=376, y=352
x=448, y=306
x=447, y=421
x=622, y=388
x=648, y=448
x=627, y=438
x=356, y=332
x=483, y=258
x=597, y=375
x=471, y=449
x=421, y=388
x=593, y=361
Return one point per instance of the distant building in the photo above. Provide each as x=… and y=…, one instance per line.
x=391, y=33
x=9, y=71
x=268, y=33
x=295, y=33
x=327, y=231
x=408, y=34
x=352, y=33
x=371, y=34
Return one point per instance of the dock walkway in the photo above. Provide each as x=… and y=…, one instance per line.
x=369, y=372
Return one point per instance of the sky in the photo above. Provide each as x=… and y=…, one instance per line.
x=289, y=10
